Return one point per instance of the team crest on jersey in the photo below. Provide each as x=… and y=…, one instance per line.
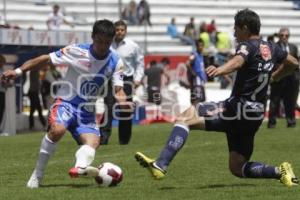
x=89, y=89
x=243, y=49
x=265, y=52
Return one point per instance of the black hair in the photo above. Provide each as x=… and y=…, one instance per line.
x=165, y=61
x=248, y=18
x=153, y=62
x=198, y=41
x=104, y=27
x=120, y=23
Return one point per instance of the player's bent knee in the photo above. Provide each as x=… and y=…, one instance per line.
x=90, y=139
x=56, y=132
x=190, y=118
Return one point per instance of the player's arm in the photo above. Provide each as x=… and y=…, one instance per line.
x=189, y=64
x=230, y=66
x=139, y=70
x=120, y=95
x=287, y=67
x=35, y=63
x=117, y=82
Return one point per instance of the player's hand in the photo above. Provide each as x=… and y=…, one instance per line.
x=7, y=76
x=137, y=84
x=127, y=106
x=211, y=71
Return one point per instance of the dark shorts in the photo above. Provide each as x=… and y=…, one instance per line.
x=223, y=117
x=154, y=95
x=197, y=94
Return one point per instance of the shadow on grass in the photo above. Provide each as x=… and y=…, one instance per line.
x=70, y=185
x=213, y=186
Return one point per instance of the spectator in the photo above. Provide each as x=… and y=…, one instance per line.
x=143, y=12
x=211, y=30
x=130, y=13
x=190, y=30
x=172, y=31
x=153, y=74
x=223, y=43
x=196, y=73
x=48, y=76
x=56, y=18
x=2, y=89
x=272, y=38
x=287, y=88
x=133, y=59
x=203, y=35
x=34, y=96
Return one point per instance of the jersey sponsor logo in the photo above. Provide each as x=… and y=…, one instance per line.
x=243, y=50
x=84, y=63
x=265, y=52
x=78, y=51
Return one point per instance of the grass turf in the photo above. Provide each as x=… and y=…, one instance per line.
x=200, y=170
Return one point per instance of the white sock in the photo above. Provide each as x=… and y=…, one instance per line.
x=46, y=150
x=84, y=156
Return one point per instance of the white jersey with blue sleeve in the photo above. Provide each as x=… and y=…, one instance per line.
x=86, y=75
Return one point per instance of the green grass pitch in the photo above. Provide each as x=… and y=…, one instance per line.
x=199, y=171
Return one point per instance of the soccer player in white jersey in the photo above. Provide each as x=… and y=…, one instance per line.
x=89, y=68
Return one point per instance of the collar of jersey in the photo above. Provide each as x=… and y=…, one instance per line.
x=95, y=56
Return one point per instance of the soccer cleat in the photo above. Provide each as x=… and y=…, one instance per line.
x=34, y=181
x=288, y=177
x=149, y=163
x=90, y=171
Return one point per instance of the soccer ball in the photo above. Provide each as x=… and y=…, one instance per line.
x=109, y=175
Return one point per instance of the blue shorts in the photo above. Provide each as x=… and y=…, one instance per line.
x=75, y=119
x=222, y=117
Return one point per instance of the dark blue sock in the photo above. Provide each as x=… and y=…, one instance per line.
x=260, y=170
x=174, y=144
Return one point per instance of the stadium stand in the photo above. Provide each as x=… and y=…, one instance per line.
x=274, y=14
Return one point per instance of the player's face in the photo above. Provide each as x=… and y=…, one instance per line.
x=284, y=36
x=101, y=44
x=120, y=33
x=200, y=47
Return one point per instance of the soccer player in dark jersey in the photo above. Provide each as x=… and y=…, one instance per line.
x=257, y=62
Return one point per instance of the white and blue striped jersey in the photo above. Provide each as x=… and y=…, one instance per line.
x=85, y=75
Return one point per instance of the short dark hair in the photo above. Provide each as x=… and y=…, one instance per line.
x=249, y=18
x=165, y=61
x=104, y=27
x=121, y=23
x=198, y=41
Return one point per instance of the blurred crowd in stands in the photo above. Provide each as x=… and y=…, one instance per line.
x=137, y=14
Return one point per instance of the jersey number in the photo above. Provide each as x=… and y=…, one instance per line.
x=263, y=80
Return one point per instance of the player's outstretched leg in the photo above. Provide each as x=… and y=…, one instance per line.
x=46, y=150
x=284, y=172
x=175, y=142
x=288, y=177
x=150, y=164
x=84, y=157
